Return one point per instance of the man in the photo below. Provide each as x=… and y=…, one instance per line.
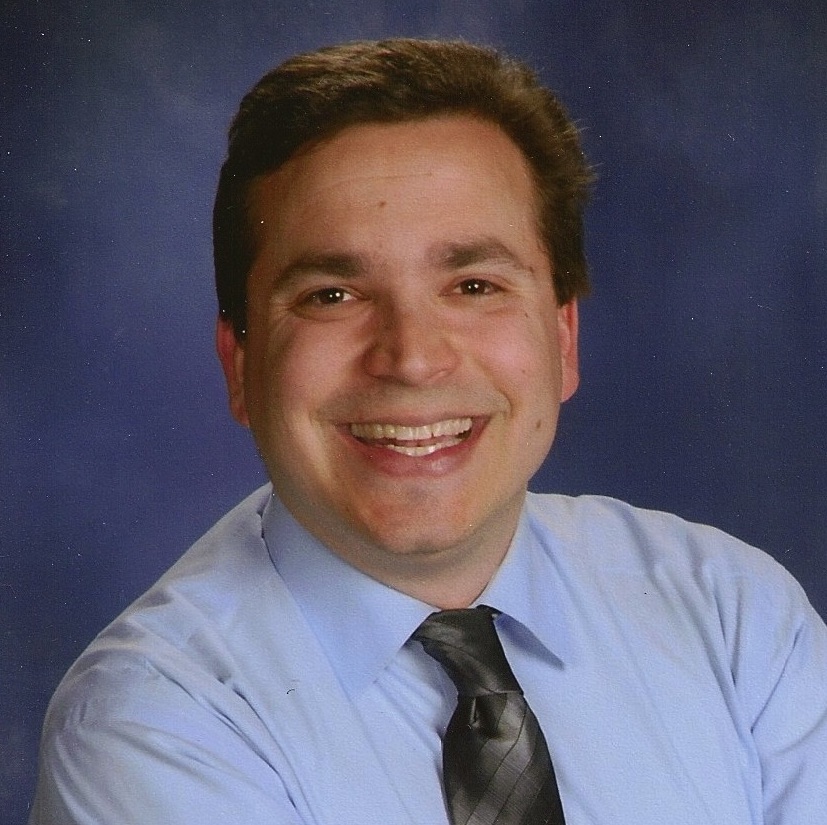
x=399, y=256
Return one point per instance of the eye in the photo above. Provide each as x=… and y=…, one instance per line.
x=329, y=296
x=476, y=286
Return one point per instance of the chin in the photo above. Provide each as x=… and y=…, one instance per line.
x=412, y=540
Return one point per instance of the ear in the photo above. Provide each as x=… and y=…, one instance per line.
x=567, y=327
x=231, y=355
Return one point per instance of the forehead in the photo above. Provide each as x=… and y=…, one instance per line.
x=473, y=157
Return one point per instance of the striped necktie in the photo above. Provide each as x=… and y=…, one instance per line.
x=495, y=762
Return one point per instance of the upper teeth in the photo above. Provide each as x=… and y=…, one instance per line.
x=400, y=432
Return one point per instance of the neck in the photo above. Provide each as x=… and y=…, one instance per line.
x=446, y=568
x=443, y=590
x=446, y=577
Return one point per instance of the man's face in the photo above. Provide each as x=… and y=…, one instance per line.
x=405, y=356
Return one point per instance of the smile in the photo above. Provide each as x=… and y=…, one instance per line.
x=417, y=441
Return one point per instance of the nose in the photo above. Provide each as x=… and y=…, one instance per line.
x=411, y=345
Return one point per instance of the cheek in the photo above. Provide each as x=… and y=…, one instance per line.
x=525, y=360
x=301, y=371
x=525, y=367
x=268, y=379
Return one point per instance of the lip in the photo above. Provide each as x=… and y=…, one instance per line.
x=392, y=460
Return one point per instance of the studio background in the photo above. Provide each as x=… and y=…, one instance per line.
x=703, y=346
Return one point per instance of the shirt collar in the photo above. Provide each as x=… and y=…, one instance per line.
x=524, y=590
x=362, y=624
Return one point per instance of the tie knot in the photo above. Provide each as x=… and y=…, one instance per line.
x=466, y=644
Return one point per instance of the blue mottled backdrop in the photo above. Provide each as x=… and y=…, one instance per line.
x=704, y=345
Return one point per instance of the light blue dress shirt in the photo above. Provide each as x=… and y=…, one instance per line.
x=680, y=677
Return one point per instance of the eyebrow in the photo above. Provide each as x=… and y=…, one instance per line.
x=337, y=265
x=484, y=250
x=452, y=256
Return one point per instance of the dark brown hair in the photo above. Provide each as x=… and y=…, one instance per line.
x=313, y=96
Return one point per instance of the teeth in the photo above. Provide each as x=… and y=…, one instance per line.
x=417, y=452
x=400, y=432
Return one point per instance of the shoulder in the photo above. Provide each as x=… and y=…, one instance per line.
x=656, y=567
x=220, y=569
x=192, y=637
x=606, y=532
x=201, y=697
x=696, y=615
x=661, y=576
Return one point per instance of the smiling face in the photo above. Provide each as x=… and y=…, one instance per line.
x=405, y=356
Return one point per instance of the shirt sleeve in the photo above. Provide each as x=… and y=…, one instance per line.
x=782, y=678
x=131, y=746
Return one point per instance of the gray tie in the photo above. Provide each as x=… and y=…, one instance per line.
x=495, y=763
